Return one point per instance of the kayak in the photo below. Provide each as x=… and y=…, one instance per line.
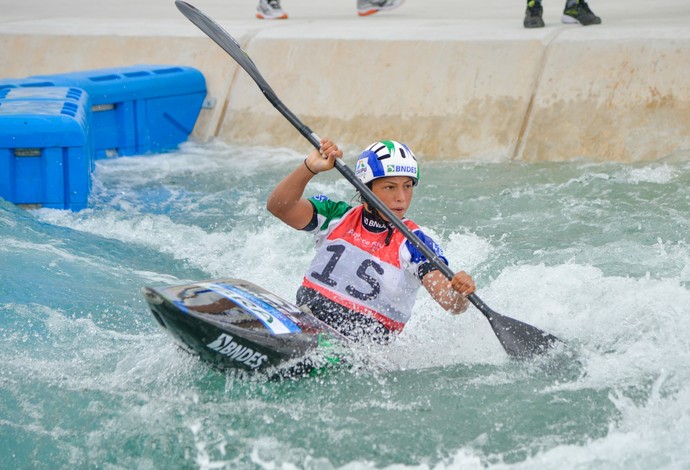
x=236, y=325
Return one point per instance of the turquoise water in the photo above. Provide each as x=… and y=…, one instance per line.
x=596, y=254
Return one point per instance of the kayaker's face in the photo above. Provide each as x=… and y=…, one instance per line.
x=395, y=192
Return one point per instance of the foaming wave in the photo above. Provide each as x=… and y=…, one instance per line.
x=220, y=254
x=53, y=252
x=659, y=174
x=192, y=158
x=436, y=338
x=156, y=231
x=623, y=329
x=652, y=433
x=626, y=329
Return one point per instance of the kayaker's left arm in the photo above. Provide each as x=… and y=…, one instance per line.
x=450, y=294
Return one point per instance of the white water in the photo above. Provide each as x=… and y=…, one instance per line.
x=594, y=253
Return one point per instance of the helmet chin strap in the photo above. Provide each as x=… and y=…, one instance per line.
x=376, y=216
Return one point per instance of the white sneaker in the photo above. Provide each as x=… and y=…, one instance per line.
x=270, y=10
x=369, y=7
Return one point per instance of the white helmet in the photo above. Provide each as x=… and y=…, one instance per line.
x=386, y=158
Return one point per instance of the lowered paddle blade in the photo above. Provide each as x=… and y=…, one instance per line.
x=519, y=339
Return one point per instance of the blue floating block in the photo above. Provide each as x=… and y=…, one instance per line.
x=46, y=151
x=23, y=83
x=137, y=109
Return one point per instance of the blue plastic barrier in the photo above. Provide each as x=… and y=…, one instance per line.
x=46, y=151
x=23, y=83
x=137, y=109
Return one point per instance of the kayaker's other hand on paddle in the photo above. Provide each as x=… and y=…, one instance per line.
x=463, y=283
x=450, y=294
x=324, y=158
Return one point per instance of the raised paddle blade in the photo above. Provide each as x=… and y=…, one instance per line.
x=230, y=45
x=221, y=37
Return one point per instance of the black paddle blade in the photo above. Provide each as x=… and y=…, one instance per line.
x=520, y=340
x=232, y=47
x=221, y=37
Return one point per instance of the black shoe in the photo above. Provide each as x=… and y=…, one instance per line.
x=533, y=15
x=579, y=13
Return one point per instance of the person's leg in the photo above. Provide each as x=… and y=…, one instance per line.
x=577, y=11
x=369, y=7
x=533, y=14
x=270, y=10
x=354, y=326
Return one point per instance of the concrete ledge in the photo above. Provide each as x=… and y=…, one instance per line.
x=486, y=90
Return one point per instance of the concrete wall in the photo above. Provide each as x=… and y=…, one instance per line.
x=609, y=95
x=623, y=98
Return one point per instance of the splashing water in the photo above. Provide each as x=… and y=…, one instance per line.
x=594, y=253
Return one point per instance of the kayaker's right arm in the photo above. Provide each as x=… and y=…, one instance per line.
x=286, y=201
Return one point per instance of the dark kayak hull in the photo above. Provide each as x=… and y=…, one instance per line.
x=234, y=324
